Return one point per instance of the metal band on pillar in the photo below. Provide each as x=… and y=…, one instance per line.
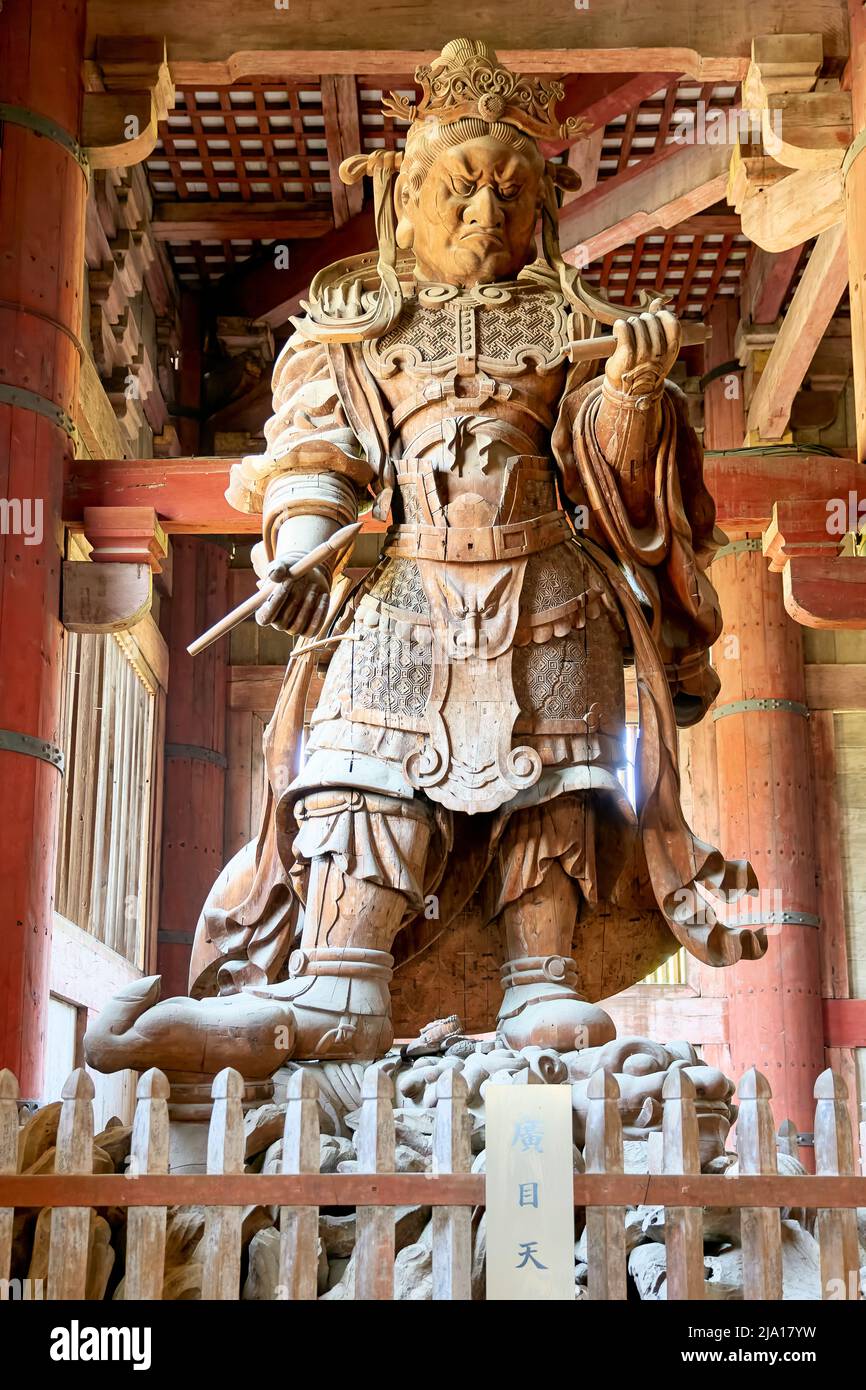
x=197, y=753
x=43, y=125
x=778, y=919
x=762, y=704
x=23, y=399
x=736, y=547
x=13, y=742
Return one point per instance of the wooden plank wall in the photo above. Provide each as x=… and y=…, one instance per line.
x=257, y=658
x=103, y=879
x=839, y=742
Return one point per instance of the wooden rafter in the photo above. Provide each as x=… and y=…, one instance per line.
x=343, y=138
x=262, y=290
x=223, y=221
x=767, y=281
x=660, y=191
x=811, y=309
x=604, y=97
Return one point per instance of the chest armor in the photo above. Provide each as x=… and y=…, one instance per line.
x=477, y=635
x=473, y=379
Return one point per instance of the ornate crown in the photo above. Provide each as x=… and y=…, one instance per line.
x=467, y=79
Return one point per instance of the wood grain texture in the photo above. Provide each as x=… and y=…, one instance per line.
x=42, y=197
x=684, y=1230
x=374, y=1248
x=607, y=1278
x=70, y=1226
x=834, y=1155
x=221, y=1256
x=145, y=1238
x=605, y=37
x=760, y=1228
x=299, y=1226
x=452, y=1233
x=811, y=309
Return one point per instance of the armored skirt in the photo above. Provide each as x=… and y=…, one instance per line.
x=505, y=731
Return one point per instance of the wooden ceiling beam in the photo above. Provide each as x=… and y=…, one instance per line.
x=343, y=138
x=192, y=221
x=710, y=224
x=808, y=317
x=583, y=158
x=602, y=97
x=261, y=290
x=660, y=191
x=224, y=40
x=746, y=484
x=767, y=282
x=188, y=494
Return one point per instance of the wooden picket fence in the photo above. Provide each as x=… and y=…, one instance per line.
x=605, y=1191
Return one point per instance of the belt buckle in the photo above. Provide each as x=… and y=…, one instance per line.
x=512, y=539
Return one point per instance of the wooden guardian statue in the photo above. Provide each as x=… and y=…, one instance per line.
x=549, y=525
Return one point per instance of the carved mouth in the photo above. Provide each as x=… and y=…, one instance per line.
x=489, y=238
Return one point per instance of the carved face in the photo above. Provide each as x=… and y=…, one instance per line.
x=473, y=219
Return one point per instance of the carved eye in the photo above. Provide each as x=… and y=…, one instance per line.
x=509, y=191
x=464, y=188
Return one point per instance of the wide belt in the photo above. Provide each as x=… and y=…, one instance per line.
x=477, y=543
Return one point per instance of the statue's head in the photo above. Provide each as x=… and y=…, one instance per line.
x=472, y=179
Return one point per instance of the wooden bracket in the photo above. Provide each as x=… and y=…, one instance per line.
x=105, y=597
x=823, y=587
x=125, y=535
x=787, y=183
x=130, y=90
x=113, y=589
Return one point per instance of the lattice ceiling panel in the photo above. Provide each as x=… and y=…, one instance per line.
x=255, y=141
x=264, y=141
x=259, y=141
x=677, y=109
x=647, y=128
x=691, y=266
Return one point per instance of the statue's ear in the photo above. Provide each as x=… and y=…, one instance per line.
x=561, y=176
x=405, y=234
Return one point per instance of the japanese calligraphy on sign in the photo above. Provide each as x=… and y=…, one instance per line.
x=530, y=1207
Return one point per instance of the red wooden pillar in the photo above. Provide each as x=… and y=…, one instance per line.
x=195, y=762
x=765, y=800
x=42, y=199
x=766, y=812
x=855, y=195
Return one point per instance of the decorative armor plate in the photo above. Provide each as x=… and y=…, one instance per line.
x=496, y=328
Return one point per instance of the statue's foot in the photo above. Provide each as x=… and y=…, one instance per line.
x=565, y=1025
x=340, y=1001
x=135, y=1029
x=336, y=1005
x=542, y=1008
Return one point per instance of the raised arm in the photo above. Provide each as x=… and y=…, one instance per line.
x=627, y=451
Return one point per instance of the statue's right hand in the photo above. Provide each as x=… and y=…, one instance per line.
x=296, y=605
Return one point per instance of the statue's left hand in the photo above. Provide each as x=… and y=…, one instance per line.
x=647, y=347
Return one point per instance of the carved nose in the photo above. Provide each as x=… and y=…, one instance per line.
x=484, y=210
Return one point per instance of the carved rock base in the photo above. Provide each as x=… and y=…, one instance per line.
x=190, y=1106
